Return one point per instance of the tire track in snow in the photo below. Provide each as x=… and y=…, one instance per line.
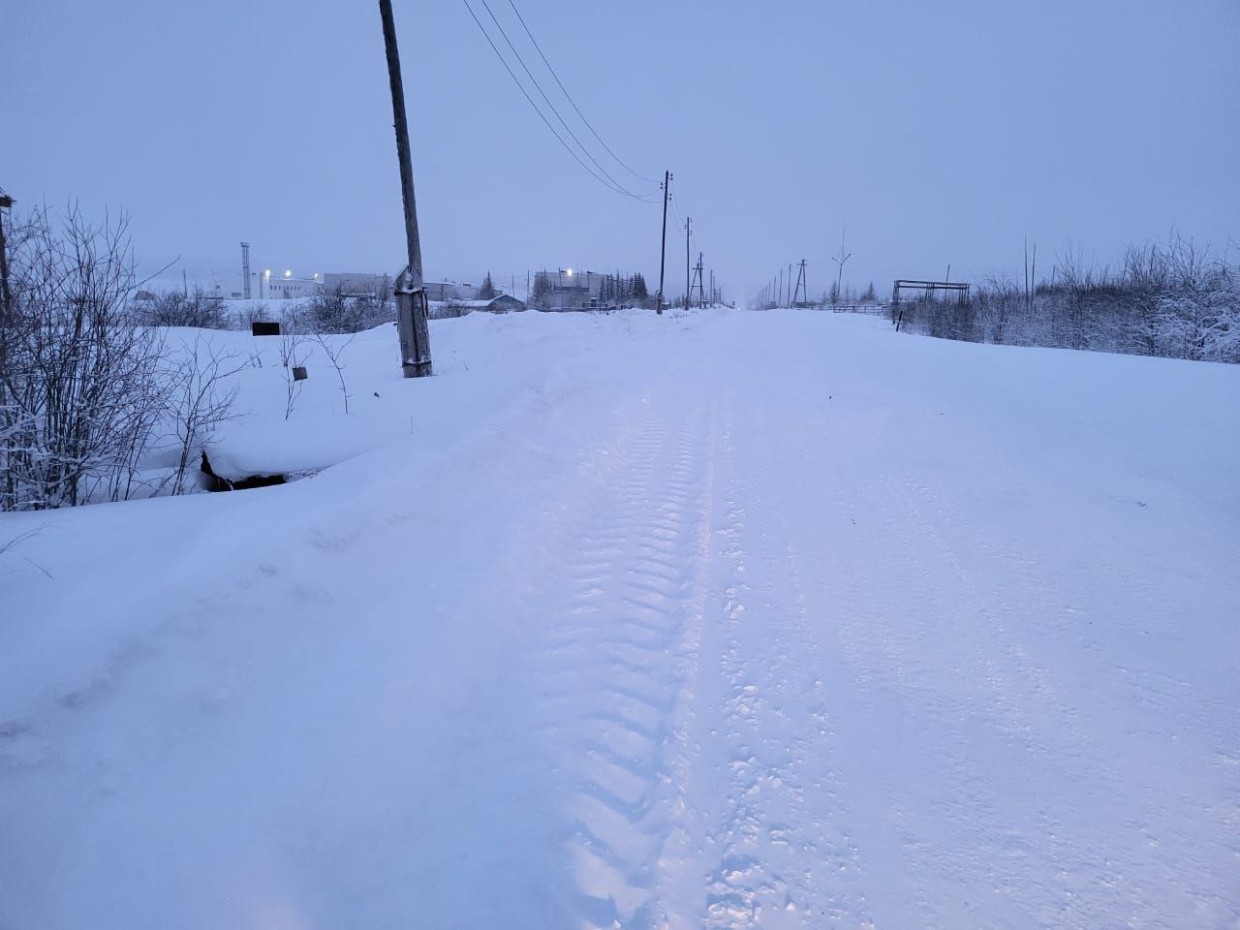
x=617, y=589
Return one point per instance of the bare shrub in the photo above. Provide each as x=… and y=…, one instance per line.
x=197, y=309
x=291, y=339
x=81, y=376
x=337, y=312
x=199, y=402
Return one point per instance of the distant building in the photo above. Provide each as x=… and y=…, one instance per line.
x=286, y=287
x=358, y=284
x=447, y=290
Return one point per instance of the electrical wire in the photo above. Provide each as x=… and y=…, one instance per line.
x=547, y=100
x=620, y=161
x=601, y=175
x=541, y=115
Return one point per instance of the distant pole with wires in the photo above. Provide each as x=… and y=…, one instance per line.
x=688, y=270
x=667, y=190
x=411, y=304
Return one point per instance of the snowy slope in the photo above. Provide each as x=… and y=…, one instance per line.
x=720, y=620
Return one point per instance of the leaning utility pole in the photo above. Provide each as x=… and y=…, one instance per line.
x=667, y=191
x=800, y=287
x=411, y=305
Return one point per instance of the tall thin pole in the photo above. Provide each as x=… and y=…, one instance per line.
x=245, y=270
x=688, y=280
x=839, y=277
x=6, y=296
x=411, y=305
x=667, y=190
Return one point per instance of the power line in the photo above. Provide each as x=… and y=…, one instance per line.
x=563, y=122
x=573, y=103
x=601, y=174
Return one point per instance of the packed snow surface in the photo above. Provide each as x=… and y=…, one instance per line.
x=704, y=621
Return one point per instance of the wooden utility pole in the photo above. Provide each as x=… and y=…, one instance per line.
x=6, y=320
x=698, y=278
x=6, y=296
x=411, y=305
x=801, y=287
x=667, y=191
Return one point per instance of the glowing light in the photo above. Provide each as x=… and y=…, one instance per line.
x=569, y=272
x=288, y=273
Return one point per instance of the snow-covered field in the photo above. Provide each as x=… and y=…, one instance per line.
x=720, y=620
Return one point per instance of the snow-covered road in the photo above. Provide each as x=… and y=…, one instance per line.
x=727, y=620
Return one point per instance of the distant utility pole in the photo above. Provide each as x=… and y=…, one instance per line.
x=688, y=280
x=839, y=279
x=411, y=304
x=800, y=286
x=245, y=270
x=781, y=287
x=667, y=193
x=697, y=276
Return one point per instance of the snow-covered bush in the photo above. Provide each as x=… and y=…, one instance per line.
x=80, y=375
x=336, y=312
x=89, y=390
x=197, y=309
x=1171, y=301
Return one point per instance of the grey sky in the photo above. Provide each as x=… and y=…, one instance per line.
x=941, y=133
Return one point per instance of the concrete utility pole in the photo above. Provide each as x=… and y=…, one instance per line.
x=688, y=280
x=800, y=286
x=411, y=305
x=667, y=192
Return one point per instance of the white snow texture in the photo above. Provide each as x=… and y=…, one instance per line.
x=714, y=620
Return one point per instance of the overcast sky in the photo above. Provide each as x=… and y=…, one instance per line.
x=939, y=133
